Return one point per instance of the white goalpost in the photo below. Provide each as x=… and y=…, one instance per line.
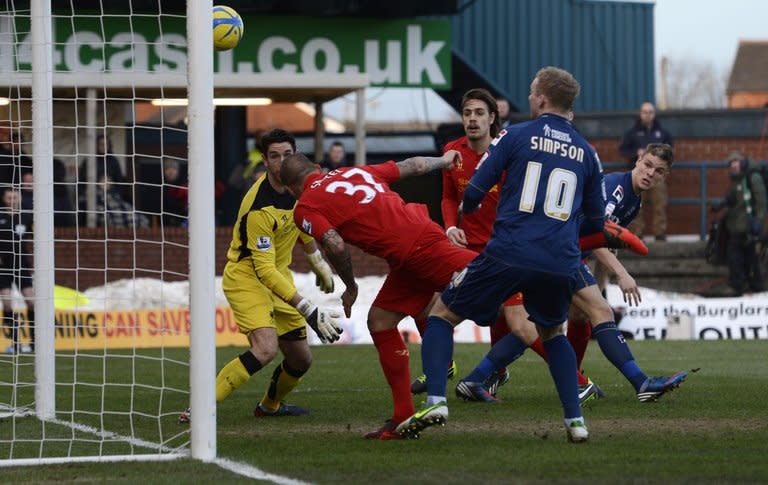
x=116, y=334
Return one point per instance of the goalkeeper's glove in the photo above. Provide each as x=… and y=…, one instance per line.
x=323, y=321
x=323, y=273
x=614, y=237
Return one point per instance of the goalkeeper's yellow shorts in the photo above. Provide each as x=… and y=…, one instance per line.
x=254, y=305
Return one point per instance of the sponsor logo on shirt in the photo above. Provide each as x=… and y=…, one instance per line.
x=306, y=226
x=557, y=134
x=263, y=243
x=618, y=193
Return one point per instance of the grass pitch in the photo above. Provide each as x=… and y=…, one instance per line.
x=711, y=430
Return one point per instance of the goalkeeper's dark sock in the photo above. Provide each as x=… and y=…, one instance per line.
x=616, y=350
x=578, y=335
x=562, y=366
x=284, y=380
x=436, y=350
x=499, y=329
x=393, y=357
x=235, y=374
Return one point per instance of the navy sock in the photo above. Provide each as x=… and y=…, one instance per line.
x=616, y=350
x=436, y=352
x=562, y=366
x=503, y=353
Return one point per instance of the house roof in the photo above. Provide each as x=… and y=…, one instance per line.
x=750, y=69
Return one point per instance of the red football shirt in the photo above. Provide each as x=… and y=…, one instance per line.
x=478, y=225
x=359, y=204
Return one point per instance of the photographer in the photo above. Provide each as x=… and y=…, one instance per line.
x=745, y=209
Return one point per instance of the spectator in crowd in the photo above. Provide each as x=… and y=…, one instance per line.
x=105, y=162
x=175, y=193
x=503, y=104
x=646, y=130
x=15, y=267
x=745, y=211
x=114, y=211
x=336, y=157
x=16, y=167
x=12, y=160
x=27, y=188
x=63, y=209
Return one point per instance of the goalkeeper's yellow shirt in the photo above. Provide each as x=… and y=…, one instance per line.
x=265, y=235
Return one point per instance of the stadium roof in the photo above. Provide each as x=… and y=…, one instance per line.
x=278, y=87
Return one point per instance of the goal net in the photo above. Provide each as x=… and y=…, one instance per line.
x=95, y=254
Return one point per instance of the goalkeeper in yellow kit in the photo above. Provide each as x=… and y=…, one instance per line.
x=259, y=287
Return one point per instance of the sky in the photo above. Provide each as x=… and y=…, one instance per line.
x=702, y=30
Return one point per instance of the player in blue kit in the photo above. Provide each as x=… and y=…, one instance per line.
x=624, y=195
x=552, y=178
x=624, y=191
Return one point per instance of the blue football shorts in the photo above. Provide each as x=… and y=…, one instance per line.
x=478, y=292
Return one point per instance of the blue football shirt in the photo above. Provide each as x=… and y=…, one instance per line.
x=552, y=177
x=622, y=205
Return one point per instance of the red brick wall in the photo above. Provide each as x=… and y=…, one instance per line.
x=100, y=256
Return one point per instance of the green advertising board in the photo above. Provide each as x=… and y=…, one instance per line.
x=392, y=52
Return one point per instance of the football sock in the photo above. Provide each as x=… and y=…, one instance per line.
x=562, y=366
x=235, y=374
x=616, y=350
x=581, y=378
x=569, y=421
x=436, y=350
x=506, y=351
x=284, y=380
x=538, y=347
x=393, y=357
x=578, y=335
x=499, y=329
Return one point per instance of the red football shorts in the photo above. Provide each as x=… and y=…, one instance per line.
x=433, y=260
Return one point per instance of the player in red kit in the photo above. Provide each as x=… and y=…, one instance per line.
x=356, y=206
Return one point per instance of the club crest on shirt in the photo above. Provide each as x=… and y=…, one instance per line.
x=306, y=226
x=263, y=243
